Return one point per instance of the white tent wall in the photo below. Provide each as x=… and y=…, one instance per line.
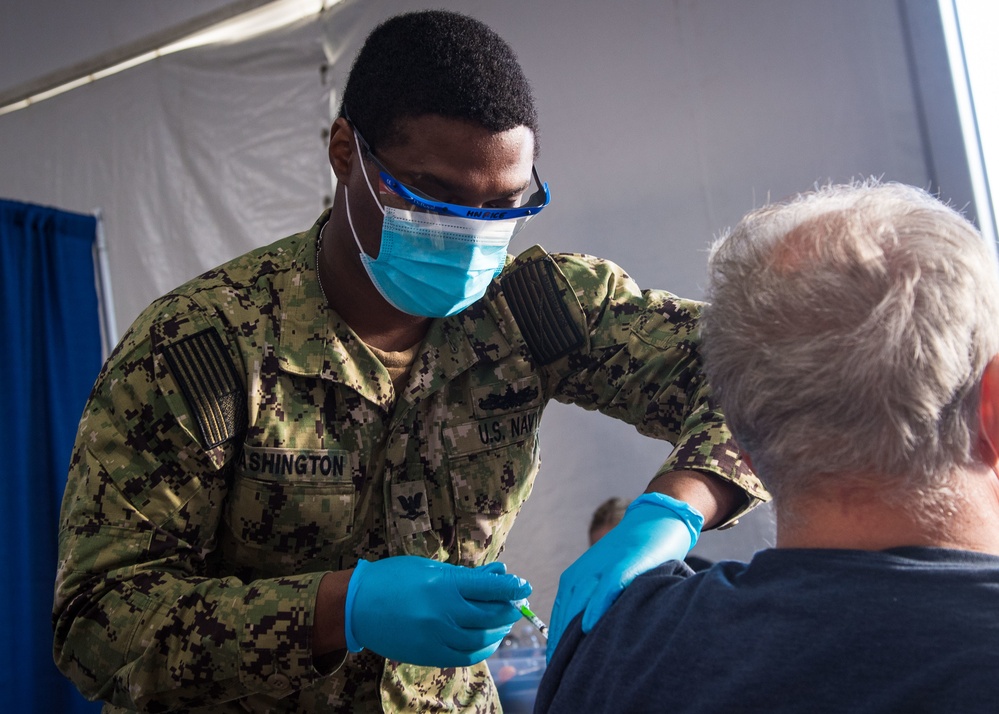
x=192, y=159
x=662, y=123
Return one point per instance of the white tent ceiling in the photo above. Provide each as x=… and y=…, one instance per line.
x=40, y=39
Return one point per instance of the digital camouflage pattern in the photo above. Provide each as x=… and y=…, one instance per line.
x=241, y=442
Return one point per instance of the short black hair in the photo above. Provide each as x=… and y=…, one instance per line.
x=436, y=62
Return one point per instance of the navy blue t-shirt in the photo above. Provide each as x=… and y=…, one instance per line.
x=795, y=630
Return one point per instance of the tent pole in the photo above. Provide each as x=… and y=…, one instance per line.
x=102, y=270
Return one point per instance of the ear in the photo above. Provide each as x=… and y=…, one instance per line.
x=342, y=148
x=988, y=414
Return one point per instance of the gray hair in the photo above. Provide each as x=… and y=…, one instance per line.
x=847, y=332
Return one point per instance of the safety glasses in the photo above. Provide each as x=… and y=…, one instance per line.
x=396, y=194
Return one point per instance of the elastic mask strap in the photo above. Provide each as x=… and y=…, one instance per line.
x=346, y=197
x=374, y=195
x=350, y=221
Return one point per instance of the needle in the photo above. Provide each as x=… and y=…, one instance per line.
x=525, y=610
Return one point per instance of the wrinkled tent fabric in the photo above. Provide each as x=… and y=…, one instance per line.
x=50, y=356
x=193, y=159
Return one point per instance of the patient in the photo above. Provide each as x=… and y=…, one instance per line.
x=607, y=515
x=852, y=342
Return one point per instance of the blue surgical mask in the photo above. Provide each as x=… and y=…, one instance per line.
x=434, y=265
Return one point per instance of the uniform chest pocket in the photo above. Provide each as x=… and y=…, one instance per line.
x=292, y=501
x=493, y=461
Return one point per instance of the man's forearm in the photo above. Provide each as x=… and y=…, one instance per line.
x=328, y=625
x=714, y=497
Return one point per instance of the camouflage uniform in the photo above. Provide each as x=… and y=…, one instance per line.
x=242, y=441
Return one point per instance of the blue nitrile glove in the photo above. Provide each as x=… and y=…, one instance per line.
x=424, y=612
x=655, y=528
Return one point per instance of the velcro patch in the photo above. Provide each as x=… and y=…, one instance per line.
x=210, y=384
x=540, y=311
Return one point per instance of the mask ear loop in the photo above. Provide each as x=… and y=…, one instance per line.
x=367, y=180
x=346, y=197
x=350, y=221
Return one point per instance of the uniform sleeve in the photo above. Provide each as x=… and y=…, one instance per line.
x=641, y=363
x=137, y=619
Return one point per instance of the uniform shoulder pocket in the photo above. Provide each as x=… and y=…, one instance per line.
x=667, y=320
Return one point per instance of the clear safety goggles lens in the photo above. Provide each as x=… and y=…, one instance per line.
x=395, y=194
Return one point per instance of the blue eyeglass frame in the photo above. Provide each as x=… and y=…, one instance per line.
x=537, y=201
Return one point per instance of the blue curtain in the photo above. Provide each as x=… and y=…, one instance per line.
x=50, y=354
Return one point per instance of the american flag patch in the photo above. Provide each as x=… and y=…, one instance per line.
x=210, y=384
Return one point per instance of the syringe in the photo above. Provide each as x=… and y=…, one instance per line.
x=525, y=610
